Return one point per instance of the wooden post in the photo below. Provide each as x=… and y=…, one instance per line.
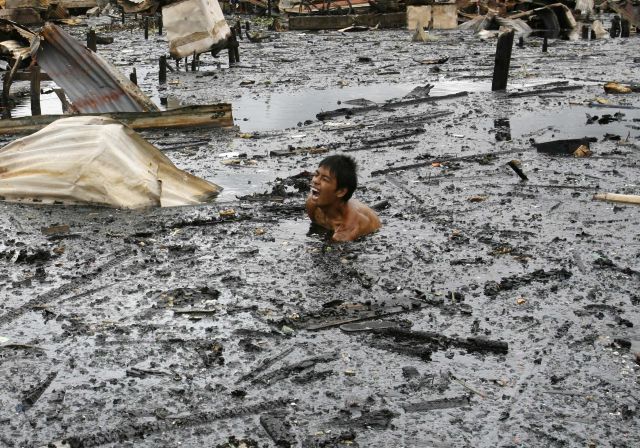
x=231, y=50
x=503, y=60
x=545, y=44
x=585, y=32
x=92, y=40
x=268, y=8
x=6, y=87
x=186, y=64
x=236, y=46
x=194, y=63
x=163, y=69
x=521, y=42
x=35, y=90
x=160, y=24
x=122, y=10
x=134, y=76
x=615, y=26
x=593, y=35
x=177, y=65
x=624, y=28
x=146, y=27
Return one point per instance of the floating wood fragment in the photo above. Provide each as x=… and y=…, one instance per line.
x=441, y=403
x=613, y=197
x=367, y=315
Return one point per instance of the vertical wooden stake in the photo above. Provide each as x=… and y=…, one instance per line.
x=232, y=51
x=134, y=76
x=503, y=60
x=625, y=28
x=194, y=63
x=92, y=40
x=6, y=87
x=146, y=27
x=35, y=90
x=186, y=64
x=236, y=48
x=122, y=10
x=163, y=70
x=545, y=45
x=160, y=24
x=521, y=42
x=585, y=32
x=615, y=26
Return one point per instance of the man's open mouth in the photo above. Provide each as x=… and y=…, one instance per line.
x=315, y=193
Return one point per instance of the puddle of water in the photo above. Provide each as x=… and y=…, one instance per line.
x=572, y=123
x=242, y=182
x=49, y=104
x=285, y=110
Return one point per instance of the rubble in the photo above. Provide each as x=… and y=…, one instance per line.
x=107, y=164
x=488, y=310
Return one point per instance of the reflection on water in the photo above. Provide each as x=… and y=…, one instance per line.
x=286, y=110
x=572, y=123
x=49, y=105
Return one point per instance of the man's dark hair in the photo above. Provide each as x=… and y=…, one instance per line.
x=344, y=169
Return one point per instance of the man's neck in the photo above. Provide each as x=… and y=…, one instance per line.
x=335, y=211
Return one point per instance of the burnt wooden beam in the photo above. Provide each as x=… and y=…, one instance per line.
x=215, y=115
x=35, y=90
x=502, y=61
x=92, y=40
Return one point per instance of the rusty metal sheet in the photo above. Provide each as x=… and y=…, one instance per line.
x=92, y=84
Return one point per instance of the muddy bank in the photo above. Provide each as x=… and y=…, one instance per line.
x=511, y=307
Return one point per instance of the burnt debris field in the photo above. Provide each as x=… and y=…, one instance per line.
x=497, y=306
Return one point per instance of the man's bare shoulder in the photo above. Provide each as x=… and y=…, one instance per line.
x=361, y=221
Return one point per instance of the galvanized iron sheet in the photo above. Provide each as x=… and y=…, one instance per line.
x=91, y=83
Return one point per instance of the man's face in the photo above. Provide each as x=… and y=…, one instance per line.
x=324, y=188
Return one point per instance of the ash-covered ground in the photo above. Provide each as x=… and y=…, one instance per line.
x=506, y=310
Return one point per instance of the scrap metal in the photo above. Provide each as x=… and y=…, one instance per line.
x=92, y=84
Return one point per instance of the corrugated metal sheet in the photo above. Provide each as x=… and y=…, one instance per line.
x=95, y=160
x=92, y=84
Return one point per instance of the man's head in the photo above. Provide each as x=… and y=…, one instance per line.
x=343, y=169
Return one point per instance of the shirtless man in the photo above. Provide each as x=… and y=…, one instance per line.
x=329, y=203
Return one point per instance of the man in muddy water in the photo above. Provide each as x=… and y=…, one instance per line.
x=330, y=205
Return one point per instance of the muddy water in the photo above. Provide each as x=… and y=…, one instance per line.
x=537, y=264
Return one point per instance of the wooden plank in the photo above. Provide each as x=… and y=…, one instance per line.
x=23, y=16
x=392, y=20
x=40, y=5
x=26, y=76
x=215, y=115
x=70, y=4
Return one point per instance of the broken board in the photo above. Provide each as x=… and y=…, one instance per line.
x=338, y=22
x=215, y=115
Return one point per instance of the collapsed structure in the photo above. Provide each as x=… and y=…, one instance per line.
x=98, y=161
